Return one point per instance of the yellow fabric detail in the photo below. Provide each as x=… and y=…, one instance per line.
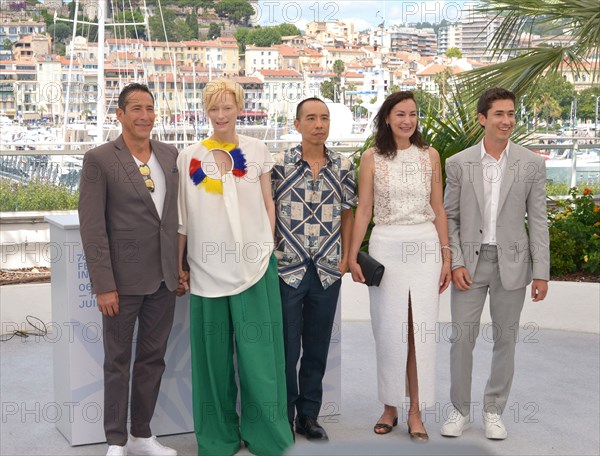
x=212, y=144
x=212, y=185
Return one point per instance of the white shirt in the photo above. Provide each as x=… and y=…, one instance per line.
x=229, y=237
x=158, y=176
x=492, y=170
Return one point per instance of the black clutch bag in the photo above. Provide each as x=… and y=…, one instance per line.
x=371, y=268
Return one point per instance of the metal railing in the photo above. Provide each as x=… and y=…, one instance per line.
x=43, y=163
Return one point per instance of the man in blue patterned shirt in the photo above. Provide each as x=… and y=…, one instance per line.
x=314, y=192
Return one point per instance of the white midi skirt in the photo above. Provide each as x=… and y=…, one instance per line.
x=412, y=258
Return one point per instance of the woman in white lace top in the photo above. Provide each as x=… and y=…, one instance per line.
x=400, y=184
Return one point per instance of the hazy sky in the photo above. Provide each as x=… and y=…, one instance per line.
x=363, y=13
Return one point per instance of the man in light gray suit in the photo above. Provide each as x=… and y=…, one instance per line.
x=128, y=223
x=491, y=188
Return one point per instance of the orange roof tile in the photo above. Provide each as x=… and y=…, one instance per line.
x=352, y=74
x=286, y=51
x=280, y=73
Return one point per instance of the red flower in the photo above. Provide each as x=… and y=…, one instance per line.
x=586, y=191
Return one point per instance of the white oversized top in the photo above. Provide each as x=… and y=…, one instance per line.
x=402, y=188
x=229, y=237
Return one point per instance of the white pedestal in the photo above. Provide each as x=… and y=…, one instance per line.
x=79, y=353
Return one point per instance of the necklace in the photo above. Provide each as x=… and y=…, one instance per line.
x=212, y=185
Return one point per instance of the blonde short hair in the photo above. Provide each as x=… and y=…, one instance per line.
x=216, y=88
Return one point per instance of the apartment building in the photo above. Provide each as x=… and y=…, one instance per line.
x=449, y=36
x=118, y=76
x=329, y=32
x=313, y=78
x=80, y=48
x=8, y=79
x=183, y=97
x=133, y=46
x=13, y=30
x=346, y=55
x=374, y=77
x=72, y=81
x=584, y=78
x=283, y=90
x=29, y=46
x=297, y=41
x=261, y=58
x=429, y=78
x=220, y=55
x=289, y=57
x=477, y=33
x=310, y=58
x=174, y=51
x=49, y=81
x=411, y=39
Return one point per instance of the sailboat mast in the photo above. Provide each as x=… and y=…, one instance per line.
x=70, y=74
x=100, y=107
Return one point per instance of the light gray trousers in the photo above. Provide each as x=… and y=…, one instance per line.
x=505, y=310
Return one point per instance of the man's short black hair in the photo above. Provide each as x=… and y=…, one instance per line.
x=494, y=94
x=299, y=107
x=128, y=89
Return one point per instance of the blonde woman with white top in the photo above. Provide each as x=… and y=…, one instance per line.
x=226, y=219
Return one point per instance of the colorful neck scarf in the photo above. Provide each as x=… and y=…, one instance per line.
x=210, y=184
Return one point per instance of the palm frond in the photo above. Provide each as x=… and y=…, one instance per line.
x=577, y=19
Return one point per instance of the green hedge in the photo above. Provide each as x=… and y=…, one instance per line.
x=575, y=234
x=574, y=223
x=37, y=195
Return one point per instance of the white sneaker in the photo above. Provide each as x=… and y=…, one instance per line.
x=494, y=427
x=139, y=446
x=455, y=424
x=116, y=450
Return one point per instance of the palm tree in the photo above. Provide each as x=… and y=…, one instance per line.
x=350, y=87
x=577, y=19
x=41, y=110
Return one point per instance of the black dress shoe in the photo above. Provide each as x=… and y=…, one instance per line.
x=309, y=427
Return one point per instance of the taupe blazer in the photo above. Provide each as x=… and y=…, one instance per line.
x=522, y=256
x=128, y=247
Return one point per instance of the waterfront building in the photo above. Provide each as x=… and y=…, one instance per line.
x=283, y=90
x=472, y=35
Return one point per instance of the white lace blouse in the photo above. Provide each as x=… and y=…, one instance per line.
x=402, y=188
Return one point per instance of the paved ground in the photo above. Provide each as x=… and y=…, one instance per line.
x=553, y=406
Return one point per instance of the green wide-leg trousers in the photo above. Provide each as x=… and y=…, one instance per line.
x=251, y=320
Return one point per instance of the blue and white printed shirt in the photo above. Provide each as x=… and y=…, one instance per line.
x=309, y=214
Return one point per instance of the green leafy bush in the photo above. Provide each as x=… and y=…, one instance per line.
x=37, y=195
x=575, y=234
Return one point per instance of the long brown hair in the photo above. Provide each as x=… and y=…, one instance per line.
x=384, y=139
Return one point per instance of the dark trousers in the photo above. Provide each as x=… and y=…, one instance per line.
x=154, y=314
x=308, y=314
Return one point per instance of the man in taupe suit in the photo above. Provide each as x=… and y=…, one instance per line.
x=490, y=189
x=128, y=223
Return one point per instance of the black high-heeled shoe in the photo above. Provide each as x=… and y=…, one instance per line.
x=418, y=437
x=384, y=427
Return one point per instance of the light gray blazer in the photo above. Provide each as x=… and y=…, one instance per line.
x=128, y=247
x=522, y=195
